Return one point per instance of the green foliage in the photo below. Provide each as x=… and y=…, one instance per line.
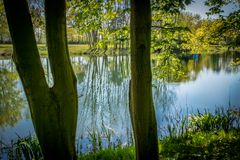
x=111, y=154
x=202, y=145
x=74, y=49
x=168, y=67
x=170, y=6
x=27, y=148
x=221, y=120
x=170, y=25
x=102, y=23
x=236, y=62
x=168, y=32
x=203, y=136
x=216, y=6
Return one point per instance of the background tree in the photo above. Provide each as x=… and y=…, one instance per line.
x=229, y=28
x=216, y=6
x=53, y=109
x=104, y=24
x=4, y=33
x=37, y=13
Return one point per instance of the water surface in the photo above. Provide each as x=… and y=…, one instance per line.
x=212, y=81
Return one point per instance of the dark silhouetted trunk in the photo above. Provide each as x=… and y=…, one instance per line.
x=53, y=110
x=141, y=101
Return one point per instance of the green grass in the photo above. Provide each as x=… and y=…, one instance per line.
x=199, y=145
x=82, y=49
x=5, y=46
x=74, y=49
x=202, y=145
x=204, y=136
x=111, y=154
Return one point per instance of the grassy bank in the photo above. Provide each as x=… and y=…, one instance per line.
x=200, y=145
x=127, y=153
x=204, y=136
x=74, y=49
x=83, y=49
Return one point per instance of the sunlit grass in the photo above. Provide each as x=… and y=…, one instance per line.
x=80, y=49
x=111, y=154
x=202, y=145
x=74, y=49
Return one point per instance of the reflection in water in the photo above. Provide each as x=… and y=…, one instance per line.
x=104, y=100
x=11, y=101
x=103, y=83
x=216, y=63
x=168, y=68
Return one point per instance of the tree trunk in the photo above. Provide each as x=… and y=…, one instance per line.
x=141, y=102
x=1, y=39
x=53, y=110
x=65, y=84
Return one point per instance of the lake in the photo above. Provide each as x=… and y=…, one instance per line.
x=211, y=82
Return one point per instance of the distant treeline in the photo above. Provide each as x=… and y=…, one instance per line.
x=106, y=24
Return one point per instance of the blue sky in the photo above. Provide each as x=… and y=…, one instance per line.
x=198, y=7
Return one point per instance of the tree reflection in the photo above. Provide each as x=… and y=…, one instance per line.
x=79, y=68
x=119, y=69
x=105, y=100
x=164, y=95
x=170, y=68
x=11, y=102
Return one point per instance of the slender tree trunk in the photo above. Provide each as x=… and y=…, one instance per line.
x=89, y=39
x=53, y=110
x=1, y=38
x=94, y=37
x=141, y=102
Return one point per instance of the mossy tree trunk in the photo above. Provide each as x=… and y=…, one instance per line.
x=141, y=101
x=53, y=110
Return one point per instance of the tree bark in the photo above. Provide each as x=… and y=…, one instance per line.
x=141, y=102
x=53, y=110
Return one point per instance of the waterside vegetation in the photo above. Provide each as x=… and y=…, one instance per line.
x=197, y=136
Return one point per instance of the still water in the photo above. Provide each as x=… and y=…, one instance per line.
x=212, y=81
